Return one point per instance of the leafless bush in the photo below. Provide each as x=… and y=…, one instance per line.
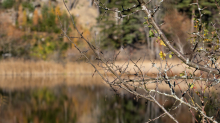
x=200, y=77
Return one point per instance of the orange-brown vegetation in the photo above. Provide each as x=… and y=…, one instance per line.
x=178, y=27
x=11, y=31
x=27, y=68
x=35, y=17
x=20, y=15
x=57, y=13
x=42, y=68
x=177, y=22
x=24, y=19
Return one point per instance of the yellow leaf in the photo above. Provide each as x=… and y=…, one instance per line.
x=162, y=55
x=170, y=56
x=162, y=43
x=181, y=74
x=191, y=85
x=192, y=100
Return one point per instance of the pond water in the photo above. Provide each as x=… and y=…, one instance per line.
x=75, y=99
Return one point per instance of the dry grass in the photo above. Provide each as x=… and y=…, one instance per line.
x=24, y=82
x=30, y=68
x=146, y=67
x=16, y=74
x=42, y=68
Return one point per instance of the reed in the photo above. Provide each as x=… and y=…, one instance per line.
x=45, y=68
x=39, y=68
x=148, y=69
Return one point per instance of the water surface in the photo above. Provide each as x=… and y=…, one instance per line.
x=76, y=99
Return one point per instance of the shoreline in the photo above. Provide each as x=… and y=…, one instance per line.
x=48, y=68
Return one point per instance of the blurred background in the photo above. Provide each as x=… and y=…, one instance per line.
x=43, y=77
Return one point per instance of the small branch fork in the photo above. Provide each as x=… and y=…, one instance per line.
x=123, y=78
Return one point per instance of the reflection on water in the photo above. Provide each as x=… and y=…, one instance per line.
x=27, y=82
x=75, y=99
x=58, y=100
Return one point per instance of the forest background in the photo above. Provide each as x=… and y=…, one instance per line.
x=30, y=30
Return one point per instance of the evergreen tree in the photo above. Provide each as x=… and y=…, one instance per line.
x=188, y=7
x=120, y=32
x=7, y=4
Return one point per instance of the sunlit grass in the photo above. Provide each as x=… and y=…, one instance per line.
x=42, y=68
x=29, y=68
